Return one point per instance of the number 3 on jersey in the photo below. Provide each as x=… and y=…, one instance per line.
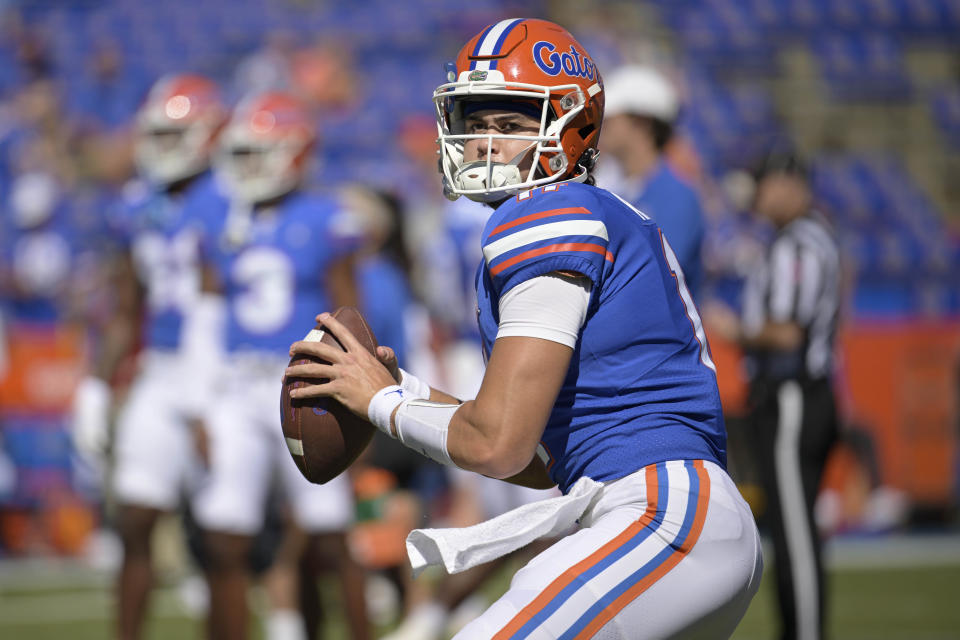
x=688, y=304
x=266, y=303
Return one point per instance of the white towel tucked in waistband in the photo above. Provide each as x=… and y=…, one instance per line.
x=464, y=548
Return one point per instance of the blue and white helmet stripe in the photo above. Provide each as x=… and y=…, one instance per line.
x=490, y=42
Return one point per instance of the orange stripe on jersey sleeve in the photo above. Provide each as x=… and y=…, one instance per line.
x=553, y=248
x=672, y=560
x=571, y=574
x=537, y=216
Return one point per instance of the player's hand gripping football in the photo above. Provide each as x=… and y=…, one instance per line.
x=352, y=377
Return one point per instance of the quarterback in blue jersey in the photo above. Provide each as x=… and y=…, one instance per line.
x=283, y=254
x=156, y=282
x=598, y=379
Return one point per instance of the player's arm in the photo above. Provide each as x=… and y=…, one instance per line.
x=497, y=433
x=340, y=281
x=121, y=328
x=782, y=336
x=777, y=328
x=512, y=356
x=116, y=339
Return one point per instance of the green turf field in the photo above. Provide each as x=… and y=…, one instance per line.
x=897, y=602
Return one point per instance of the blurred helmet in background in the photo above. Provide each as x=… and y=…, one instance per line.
x=176, y=128
x=265, y=149
x=641, y=91
x=541, y=66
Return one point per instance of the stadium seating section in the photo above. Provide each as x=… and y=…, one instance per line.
x=906, y=261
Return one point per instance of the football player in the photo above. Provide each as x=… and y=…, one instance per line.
x=157, y=284
x=283, y=255
x=598, y=379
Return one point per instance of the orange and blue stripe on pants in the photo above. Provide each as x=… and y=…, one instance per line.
x=612, y=560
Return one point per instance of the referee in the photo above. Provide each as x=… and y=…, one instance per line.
x=790, y=311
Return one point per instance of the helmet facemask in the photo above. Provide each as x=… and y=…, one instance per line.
x=488, y=181
x=166, y=153
x=255, y=172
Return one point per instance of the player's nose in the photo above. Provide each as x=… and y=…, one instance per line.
x=489, y=146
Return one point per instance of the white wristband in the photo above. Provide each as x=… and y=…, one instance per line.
x=382, y=405
x=423, y=426
x=413, y=386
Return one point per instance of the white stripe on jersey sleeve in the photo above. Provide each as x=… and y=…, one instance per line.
x=545, y=232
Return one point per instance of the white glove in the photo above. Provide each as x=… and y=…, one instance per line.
x=91, y=415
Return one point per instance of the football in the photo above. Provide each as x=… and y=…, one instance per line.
x=323, y=436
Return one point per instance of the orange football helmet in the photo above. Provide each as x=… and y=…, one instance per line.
x=265, y=149
x=536, y=62
x=176, y=128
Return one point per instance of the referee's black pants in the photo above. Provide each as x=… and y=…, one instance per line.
x=793, y=427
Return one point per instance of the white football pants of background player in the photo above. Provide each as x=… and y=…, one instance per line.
x=247, y=446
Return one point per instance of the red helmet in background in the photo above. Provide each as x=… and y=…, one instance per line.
x=265, y=149
x=176, y=128
x=532, y=61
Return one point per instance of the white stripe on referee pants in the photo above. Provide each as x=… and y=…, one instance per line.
x=794, y=510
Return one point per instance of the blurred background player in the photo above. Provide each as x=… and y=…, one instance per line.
x=790, y=314
x=158, y=447
x=281, y=256
x=640, y=115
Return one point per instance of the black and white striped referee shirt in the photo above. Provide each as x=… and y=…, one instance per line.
x=799, y=282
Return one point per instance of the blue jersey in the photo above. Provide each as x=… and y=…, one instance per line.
x=641, y=387
x=674, y=205
x=164, y=233
x=274, y=280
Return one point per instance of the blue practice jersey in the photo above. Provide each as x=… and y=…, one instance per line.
x=274, y=281
x=641, y=387
x=674, y=205
x=163, y=234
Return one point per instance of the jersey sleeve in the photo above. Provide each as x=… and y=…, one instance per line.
x=543, y=232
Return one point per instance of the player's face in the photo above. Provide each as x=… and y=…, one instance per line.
x=624, y=134
x=500, y=122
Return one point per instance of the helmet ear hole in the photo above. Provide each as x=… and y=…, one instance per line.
x=571, y=101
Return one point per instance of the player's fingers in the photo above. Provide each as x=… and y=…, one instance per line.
x=388, y=358
x=317, y=349
x=323, y=390
x=340, y=332
x=313, y=370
